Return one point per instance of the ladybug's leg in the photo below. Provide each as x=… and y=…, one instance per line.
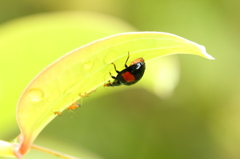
x=112, y=76
x=127, y=60
x=115, y=68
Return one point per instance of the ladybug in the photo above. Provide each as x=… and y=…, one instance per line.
x=130, y=75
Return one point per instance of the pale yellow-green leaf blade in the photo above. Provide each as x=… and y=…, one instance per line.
x=86, y=68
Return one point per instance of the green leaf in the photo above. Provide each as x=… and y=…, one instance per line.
x=86, y=68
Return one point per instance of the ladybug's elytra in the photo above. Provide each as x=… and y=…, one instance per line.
x=130, y=75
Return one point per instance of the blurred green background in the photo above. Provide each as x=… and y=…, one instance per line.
x=199, y=120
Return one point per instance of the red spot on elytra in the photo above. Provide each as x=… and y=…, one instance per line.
x=128, y=77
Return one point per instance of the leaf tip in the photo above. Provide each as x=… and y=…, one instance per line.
x=205, y=54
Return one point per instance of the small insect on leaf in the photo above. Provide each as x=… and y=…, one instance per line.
x=73, y=106
x=87, y=94
x=130, y=75
x=57, y=113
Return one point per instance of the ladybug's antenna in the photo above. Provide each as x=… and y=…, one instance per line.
x=127, y=59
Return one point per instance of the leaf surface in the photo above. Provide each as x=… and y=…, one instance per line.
x=83, y=70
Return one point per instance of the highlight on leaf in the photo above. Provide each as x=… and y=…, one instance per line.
x=80, y=72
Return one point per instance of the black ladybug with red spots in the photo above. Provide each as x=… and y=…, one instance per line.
x=130, y=75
